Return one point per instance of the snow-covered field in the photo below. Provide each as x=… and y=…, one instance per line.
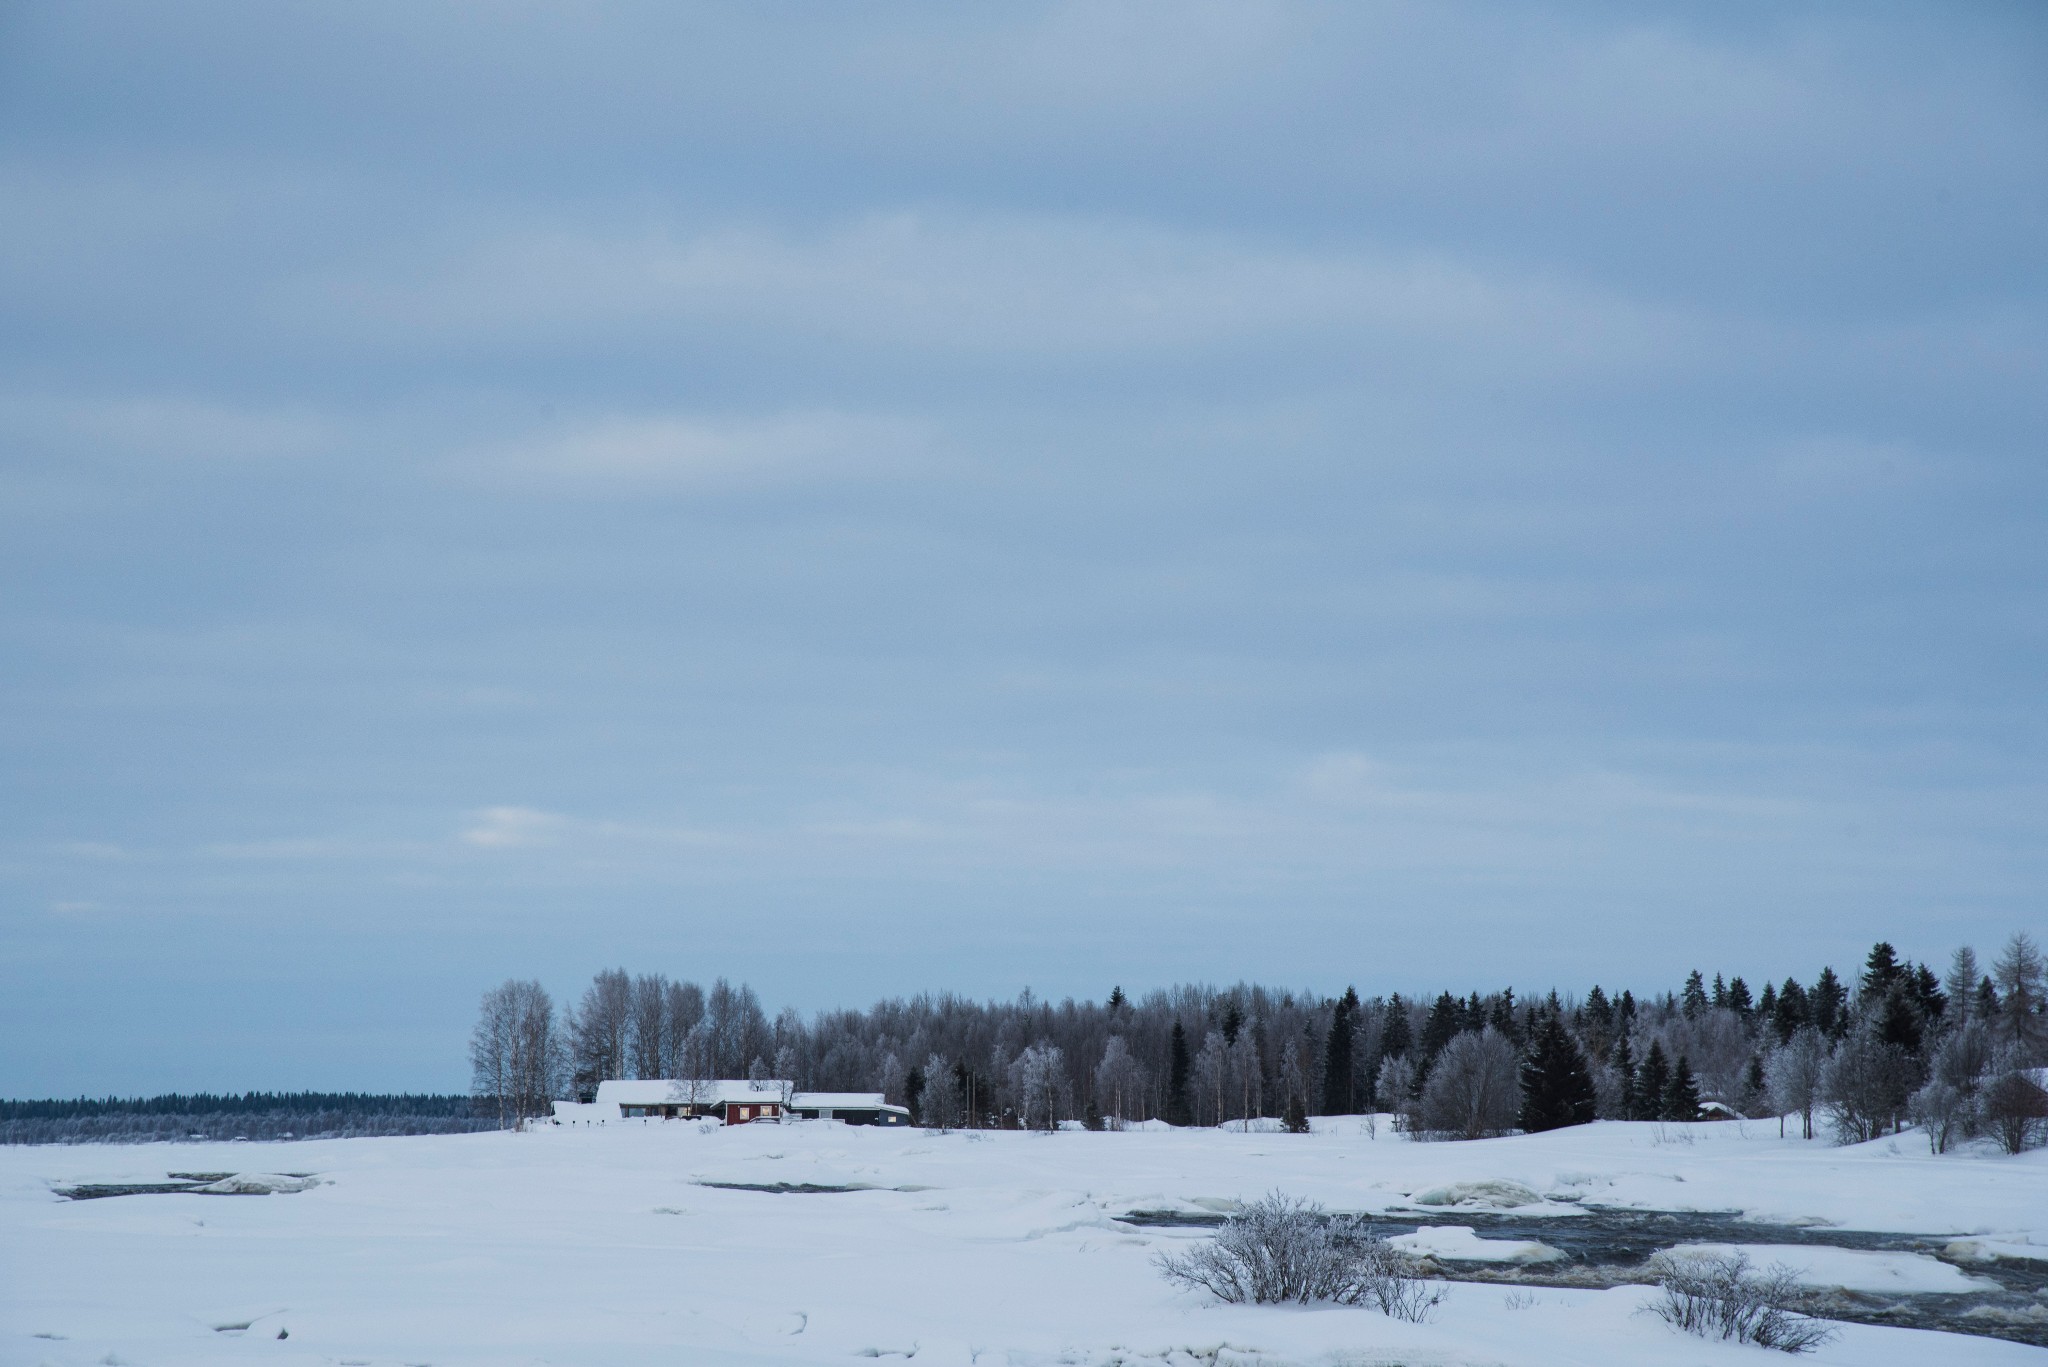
x=604, y=1246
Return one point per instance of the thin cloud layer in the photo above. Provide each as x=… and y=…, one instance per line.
x=939, y=498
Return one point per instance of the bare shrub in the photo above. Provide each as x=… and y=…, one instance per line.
x=1719, y=1296
x=2015, y=1110
x=1279, y=1249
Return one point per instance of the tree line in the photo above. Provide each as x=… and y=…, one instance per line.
x=247, y=1115
x=1898, y=1044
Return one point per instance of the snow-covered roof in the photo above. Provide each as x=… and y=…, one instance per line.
x=667, y=1092
x=837, y=1101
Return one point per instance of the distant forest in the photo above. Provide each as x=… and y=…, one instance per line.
x=1956, y=1053
x=1959, y=1054
x=251, y=1115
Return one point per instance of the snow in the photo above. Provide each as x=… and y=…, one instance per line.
x=1459, y=1244
x=1851, y=1269
x=602, y=1245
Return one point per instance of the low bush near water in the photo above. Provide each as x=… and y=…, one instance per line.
x=1280, y=1249
x=1722, y=1297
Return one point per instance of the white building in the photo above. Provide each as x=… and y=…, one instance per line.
x=733, y=1101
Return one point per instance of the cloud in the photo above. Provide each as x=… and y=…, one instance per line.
x=499, y=828
x=997, y=285
x=166, y=427
x=707, y=455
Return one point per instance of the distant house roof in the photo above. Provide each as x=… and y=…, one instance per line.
x=666, y=1092
x=837, y=1101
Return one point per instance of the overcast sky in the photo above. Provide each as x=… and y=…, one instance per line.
x=868, y=498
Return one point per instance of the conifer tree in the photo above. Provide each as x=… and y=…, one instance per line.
x=1880, y=971
x=1233, y=1021
x=1694, y=999
x=1624, y=1065
x=1962, y=985
x=1625, y=1010
x=1502, y=1016
x=1927, y=994
x=1296, y=1117
x=1653, y=1083
x=1396, y=1039
x=1794, y=1011
x=1556, y=1088
x=1337, y=1049
x=1767, y=1004
x=1829, y=1001
x=1898, y=1018
x=1599, y=1011
x=1753, y=1085
x=1738, y=998
x=1682, y=1093
x=1442, y=1026
x=1985, y=1003
x=1117, y=1000
x=1720, y=991
x=1178, y=1109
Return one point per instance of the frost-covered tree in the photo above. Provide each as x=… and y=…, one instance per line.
x=2015, y=1108
x=1038, y=1081
x=1474, y=1090
x=1119, y=1081
x=1864, y=1086
x=1792, y=1077
x=940, y=1102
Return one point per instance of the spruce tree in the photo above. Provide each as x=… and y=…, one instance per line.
x=1442, y=1026
x=1720, y=991
x=1396, y=1038
x=1829, y=1001
x=1928, y=995
x=1767, y=1003
x=1653, y=1083
x=1694, y=999
x=1682, y=1094
x=1117, y=1000
x=1794, y=1011
x=1985, y=1005
x=1337, y=1098
x=1738, y=998
x=1599, y=1011
x=1753, y=1085
x=1556, y=1089
x=1624, y=1065
x=1898, y=1019
x=1502, y=1016
x=1178, y=1111
x=1880, y=971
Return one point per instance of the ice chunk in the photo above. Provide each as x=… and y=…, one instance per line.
x=1492, y=1194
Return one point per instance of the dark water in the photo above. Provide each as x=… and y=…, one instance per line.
x=1608, y=1247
